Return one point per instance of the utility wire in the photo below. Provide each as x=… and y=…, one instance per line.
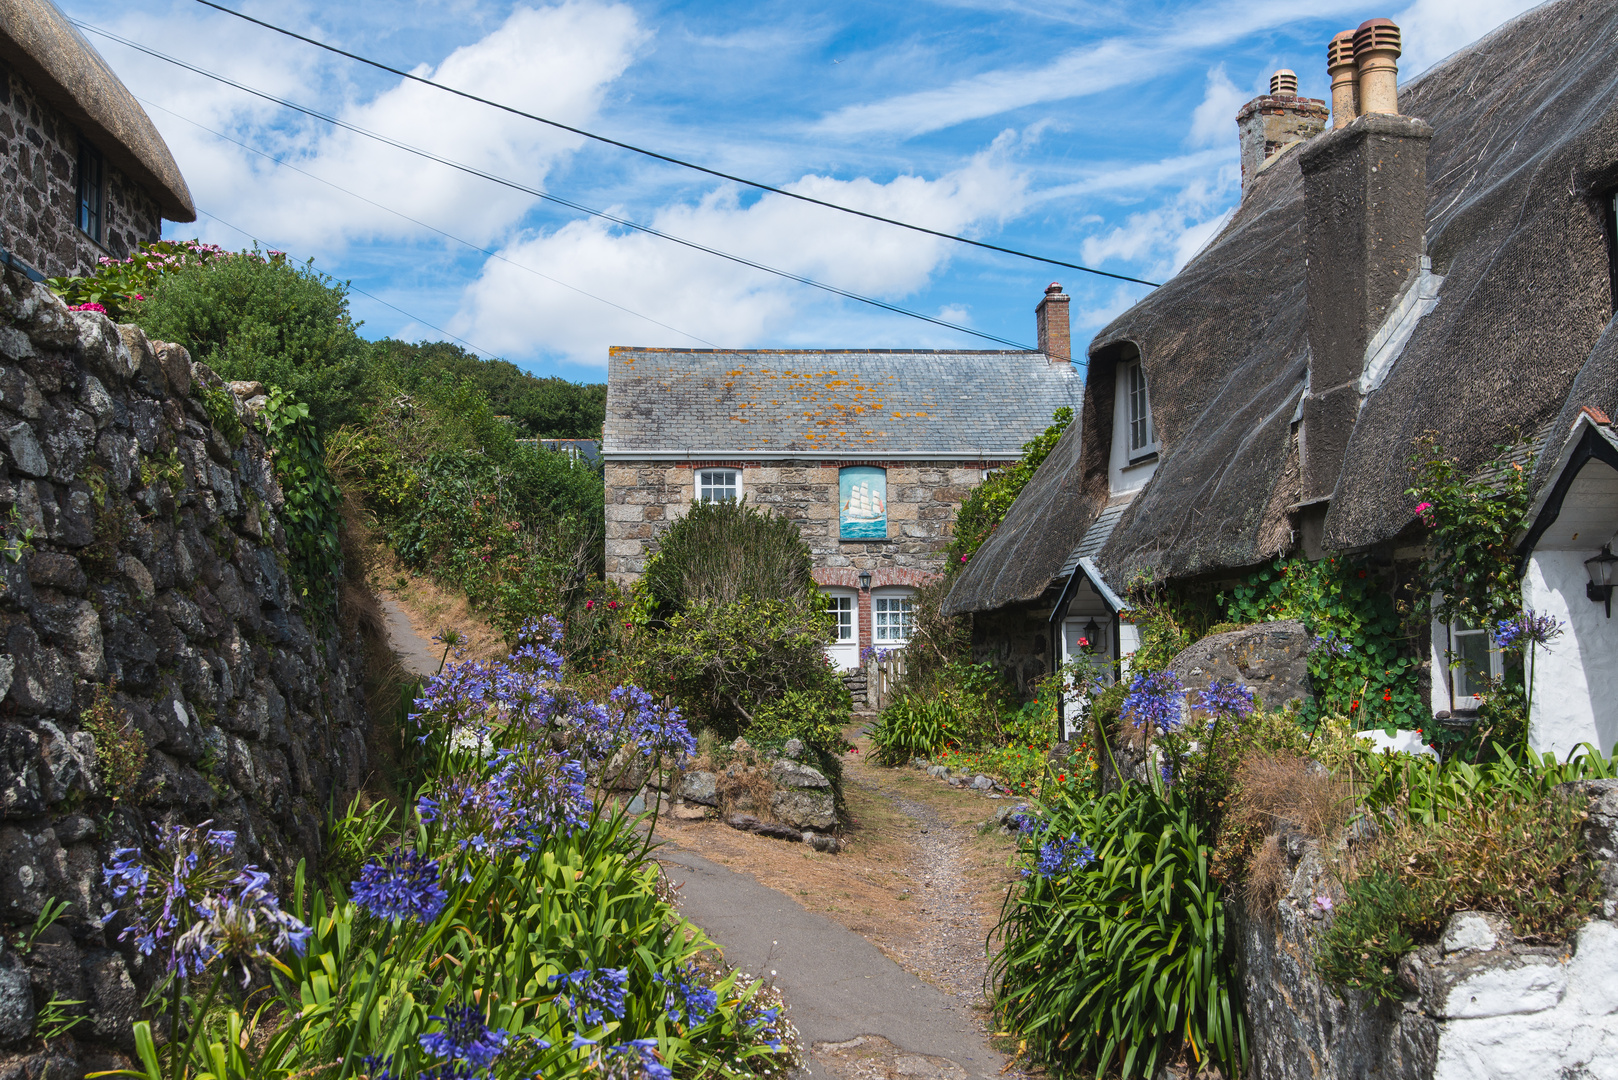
x=423, y=224
x=537, y=193
x=355, y=288
x=665, y=157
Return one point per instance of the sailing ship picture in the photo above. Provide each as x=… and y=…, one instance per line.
x=863, y=503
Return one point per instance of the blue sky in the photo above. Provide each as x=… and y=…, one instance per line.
x=1096, y=133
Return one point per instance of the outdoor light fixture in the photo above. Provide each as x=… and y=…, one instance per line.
x=1091, y=631
x=865, y=578
x=1600, y=569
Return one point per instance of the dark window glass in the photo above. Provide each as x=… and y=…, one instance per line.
x=1612, y=246
x=90, y=191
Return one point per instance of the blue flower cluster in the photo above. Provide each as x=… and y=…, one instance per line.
x=1061, y=856
x=465, y=1038
x=761, y=1021
x=689, y=1000
x=593, y=994
x=626, y=1060
x=647, y=726
x=1156, y=700
x=1527, y=629
x=401, y=885
x=1226, y=698
x=517, y=801
x=1329, y=644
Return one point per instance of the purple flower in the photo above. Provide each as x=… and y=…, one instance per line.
x=593, y=994
x=1329, y=644
x=1166, y=771
x=617, y=1060
x=162, y=907
x=1156, y=700
x=1527, y=629
x=465, y=1037
x=689, y=1001
x=402, y=885
x=1226, y=698
x=1323, y=903
x=1060, y=857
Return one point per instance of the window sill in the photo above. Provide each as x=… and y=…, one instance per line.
x=1142, y=459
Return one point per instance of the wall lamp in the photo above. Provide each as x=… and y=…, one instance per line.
x=865, y=578
x=1091, y=632
x=1600, y=569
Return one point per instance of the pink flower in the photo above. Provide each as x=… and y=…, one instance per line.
x=588, y=604
x=1424, y=507
x=138, y=296
x=963, y=558
x=1323, y=904
x=91, y=306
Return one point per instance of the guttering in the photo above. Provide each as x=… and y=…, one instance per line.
x=825, y=453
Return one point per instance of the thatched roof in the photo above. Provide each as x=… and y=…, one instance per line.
x=50, y=54
x=1525, y=142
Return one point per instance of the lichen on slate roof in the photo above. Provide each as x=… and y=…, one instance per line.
x=848, y=404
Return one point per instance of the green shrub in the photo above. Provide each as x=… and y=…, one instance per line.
x=311, y=514
x=912, y=727
x=988, y=503
x=1119, y=964
x=724, y=551
x=544, y=408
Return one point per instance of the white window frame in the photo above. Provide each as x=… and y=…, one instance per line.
x=842, y=604
x=882, y=626
x=705, y=489
x=1138, y=412
x=1469, y=702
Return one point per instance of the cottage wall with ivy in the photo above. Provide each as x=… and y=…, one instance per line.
x=169, y=649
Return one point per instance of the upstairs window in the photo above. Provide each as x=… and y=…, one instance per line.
x=89, y=191
x=893, y=619
x=1474, y=661
x=717, y=485
x=1142, y=437
x=1610, y=213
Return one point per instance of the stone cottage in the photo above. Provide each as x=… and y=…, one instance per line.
x=83, y=173
x=1443, y=260
x=871, y=452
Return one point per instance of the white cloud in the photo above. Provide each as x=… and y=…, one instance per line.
x=1214, y=120
x=1170, y=233
x=1433, y=29
x=511, y=311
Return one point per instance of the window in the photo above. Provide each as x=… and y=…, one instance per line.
x=90, y=191
x=1142, y=439
x=1610, y=213
x=1474, y=660
x=842, y=610
x=716, y=485
x=893, y=618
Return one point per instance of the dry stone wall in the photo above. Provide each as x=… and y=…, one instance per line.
x=157, y=570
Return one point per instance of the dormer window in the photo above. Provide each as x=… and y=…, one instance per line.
x=1142, y=438
x=1134, y=435
x=89, y=191
x=1610, y=214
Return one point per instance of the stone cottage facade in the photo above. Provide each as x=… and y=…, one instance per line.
x=870, y=452
x=84, y=175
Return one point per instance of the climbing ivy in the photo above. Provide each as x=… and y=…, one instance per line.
x=988, y=503
x=311, y=512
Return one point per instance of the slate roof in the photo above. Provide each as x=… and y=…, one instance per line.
x=1524, y=148
x=66, y=71
x=903, y=403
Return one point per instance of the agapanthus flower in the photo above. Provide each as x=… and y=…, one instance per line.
x=630, y=1061
x=465, y=1037
x=400, y=885
x=1330, y=644
x=689, y=1000
x=1061, y=856
x=519, y=799
x=593, y=994
x=646, y=726
x=1529, y=628
x=1024, y=822
x=1166, y=771
x=762, y=1022
x=242, y=923
x=1156, y=700
x=192, y=863
x=1225, y=698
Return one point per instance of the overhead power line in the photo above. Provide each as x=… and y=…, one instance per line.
x=547, y=196
x=416, y=221
x=631, y=147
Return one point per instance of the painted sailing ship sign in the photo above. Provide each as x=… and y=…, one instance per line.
x=862, y=500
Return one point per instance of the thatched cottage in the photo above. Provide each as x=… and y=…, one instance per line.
x=1441, y=260
x=871, y=452
x=83, y=173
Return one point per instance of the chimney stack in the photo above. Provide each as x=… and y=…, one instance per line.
x=1055, y=336
x=1268, y=125
x=1345, y=80
x=1365, y=212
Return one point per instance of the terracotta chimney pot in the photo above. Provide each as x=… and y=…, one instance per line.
x=1376, y=54
x=1345, y=105
x=1284, y=83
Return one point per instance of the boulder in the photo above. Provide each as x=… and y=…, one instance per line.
x=1271, y=659
x=791, y=774
x=805, y=808
x=699, y=786
x=794, y=749
x=981, y=783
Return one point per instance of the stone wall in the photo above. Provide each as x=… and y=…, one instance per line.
x=644, y=498
x=158, y=569
x=39, y=153
x=1478, y=1005
x=1015, y=639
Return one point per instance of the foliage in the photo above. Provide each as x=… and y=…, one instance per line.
x=729, y=665
x=1119, y=967
x=726, y=550
x=1460, y=837
x=311, y=513
x=220, y=406
x=515, y=930
x=121, y=749
x=989, y=502
x=958, y=704
x=912, y=727
x=120, y=285
x=548, y=408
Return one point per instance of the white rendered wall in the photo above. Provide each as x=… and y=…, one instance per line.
x=1576, y=678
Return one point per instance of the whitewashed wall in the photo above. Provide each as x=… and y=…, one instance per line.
x=1576, y=678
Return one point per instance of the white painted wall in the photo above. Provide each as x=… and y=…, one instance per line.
x=1555, y=1018
x=1124, y=476
x=1576, y=678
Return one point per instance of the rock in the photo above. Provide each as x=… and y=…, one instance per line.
x=791, y=774
x=981, y=783
x=1271, y=659
x=805, y=808
x=75, y=627
x=16, y=1003
x=939, y=772
x=699, y=786
x=741, y=746
x=21, y=791
x=57, y=571
x=821, y=842
x=793, y=749
x=1474, y=931
x=26, y=455
x=114, y=1003
x=764, y=828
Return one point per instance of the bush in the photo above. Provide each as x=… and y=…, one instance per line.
x=1115, y=958
x=912, y=727
x=724, y=551
x=988, y=503
x=543, y=408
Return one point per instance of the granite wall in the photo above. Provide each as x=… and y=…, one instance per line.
x=144, y=560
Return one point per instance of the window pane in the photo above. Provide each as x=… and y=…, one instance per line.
x=1472, y=651
x=716, y=484
x=894, y=619
x=842, y=609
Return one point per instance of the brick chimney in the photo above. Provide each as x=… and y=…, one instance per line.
x=1269, y=124
x=1365, y=211
x=1055, y=338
